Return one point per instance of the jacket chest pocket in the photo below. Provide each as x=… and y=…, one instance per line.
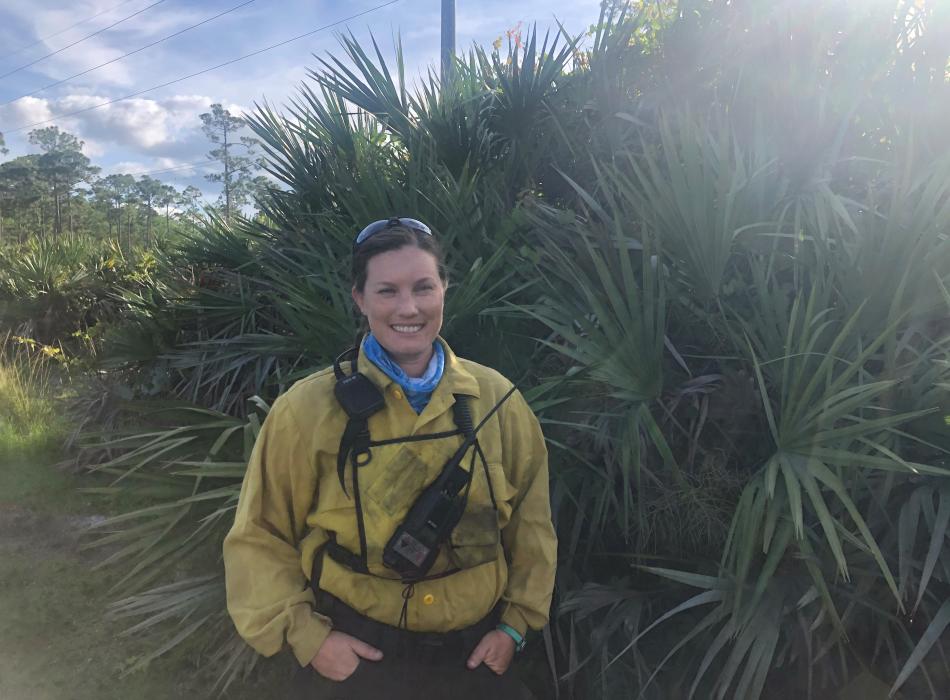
x=398, y=483
x=397, y=474
x=476, y=538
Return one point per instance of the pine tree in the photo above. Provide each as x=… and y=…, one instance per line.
x=237, y=175
x=62, y=166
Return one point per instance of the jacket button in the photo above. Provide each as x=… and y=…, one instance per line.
x=398, y=394
x=428, y=599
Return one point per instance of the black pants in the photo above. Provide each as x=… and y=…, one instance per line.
x=415, y=665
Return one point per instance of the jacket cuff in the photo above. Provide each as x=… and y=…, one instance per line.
x=306, y=637
x=513, y=618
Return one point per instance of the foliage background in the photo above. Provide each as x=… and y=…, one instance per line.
x=709, y=241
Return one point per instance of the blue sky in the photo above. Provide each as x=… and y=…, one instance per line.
x=161, y=129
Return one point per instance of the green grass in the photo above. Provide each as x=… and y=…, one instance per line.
x=29, y=421
x=55, y=644
x=55, y=641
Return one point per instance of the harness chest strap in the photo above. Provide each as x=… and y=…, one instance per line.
x=356, y=444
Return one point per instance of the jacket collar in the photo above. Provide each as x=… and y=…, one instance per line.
x=455, y=378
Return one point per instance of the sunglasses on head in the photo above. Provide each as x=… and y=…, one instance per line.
x=391, y=222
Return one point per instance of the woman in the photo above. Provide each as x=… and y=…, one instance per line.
x=383, y=584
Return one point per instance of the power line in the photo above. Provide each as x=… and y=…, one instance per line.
x=147, y=46
x=206, y=70
x=62, y=31
x=79, y=41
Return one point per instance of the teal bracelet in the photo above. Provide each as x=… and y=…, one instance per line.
x=513, y=633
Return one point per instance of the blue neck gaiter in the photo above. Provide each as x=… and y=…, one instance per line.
x=417, y=390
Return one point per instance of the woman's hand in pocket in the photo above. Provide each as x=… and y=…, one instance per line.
x=495, y=651
x=340, y=654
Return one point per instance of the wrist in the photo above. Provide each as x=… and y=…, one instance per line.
x=513, y=633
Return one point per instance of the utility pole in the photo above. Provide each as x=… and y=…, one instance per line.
x=448, y=39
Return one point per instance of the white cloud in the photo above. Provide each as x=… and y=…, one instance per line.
x=168, y=163
x=185, y=107
x=164, y=20
x=138, y=122
x=93, y=149
x=162, y=129
x=48, y=20
x=163, y=168
x=132, y=167
x=74, y=52
x=168, y=128
x=94, y=53
x=29, y=110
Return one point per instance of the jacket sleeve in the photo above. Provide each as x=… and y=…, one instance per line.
x=267, y=593
x=529, y=540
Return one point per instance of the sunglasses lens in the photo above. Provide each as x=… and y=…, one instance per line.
x=378, y=226
x=373, y=228
x=416, y=224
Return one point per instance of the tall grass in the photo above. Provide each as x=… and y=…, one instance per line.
x=30, y=420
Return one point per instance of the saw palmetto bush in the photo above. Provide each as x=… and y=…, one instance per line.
x=56, y=290
x=710, y=245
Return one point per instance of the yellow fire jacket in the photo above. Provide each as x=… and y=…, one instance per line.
x=291, y=499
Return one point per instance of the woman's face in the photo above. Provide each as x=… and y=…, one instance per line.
x=402, y=301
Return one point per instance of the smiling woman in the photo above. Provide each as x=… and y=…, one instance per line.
x=399, y=286
x=394, y=524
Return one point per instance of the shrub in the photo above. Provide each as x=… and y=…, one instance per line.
x=717, y=267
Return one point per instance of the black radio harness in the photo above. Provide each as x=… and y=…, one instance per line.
x=415, y=545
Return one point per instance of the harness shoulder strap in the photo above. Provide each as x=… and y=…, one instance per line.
x=462, y=416
x=355, y=441
x=341, y=555
x=463, y=419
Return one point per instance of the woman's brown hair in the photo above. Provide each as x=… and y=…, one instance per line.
x=393, y=239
